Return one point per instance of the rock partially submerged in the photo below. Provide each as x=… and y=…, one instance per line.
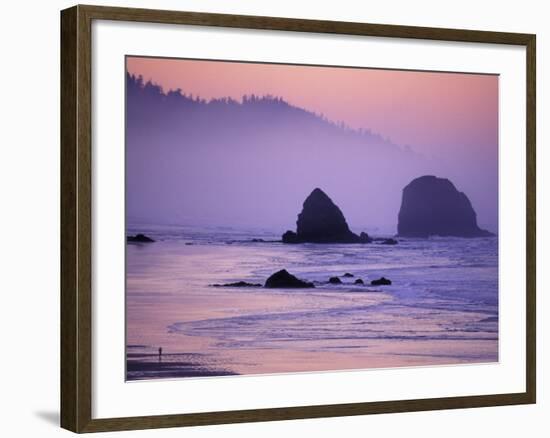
x=433, y=206
x=139, y=238
x=359, y=281
x=381, y=282
x=284, y=280
x=290, y=237
x=364, y=238
x=238, y=284
x=389, y=241
x=348, y=275
x=321, y=221
x=334, y=280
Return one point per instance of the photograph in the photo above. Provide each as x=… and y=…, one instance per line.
x=287, y=218
x=274, y=219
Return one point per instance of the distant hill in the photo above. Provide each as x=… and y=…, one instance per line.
x=252, y=162
x=147, y=101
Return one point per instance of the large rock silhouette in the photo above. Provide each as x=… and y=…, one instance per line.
x=433, y=206
x=321, y=221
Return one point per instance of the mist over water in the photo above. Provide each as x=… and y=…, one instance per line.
x=216, y=182
x=252, y=163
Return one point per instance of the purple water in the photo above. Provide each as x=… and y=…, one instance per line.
x=442, y=307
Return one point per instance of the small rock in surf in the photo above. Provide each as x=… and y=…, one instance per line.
x=283, y=279
x=238, y=284
x=139, y=238
x=381, y=282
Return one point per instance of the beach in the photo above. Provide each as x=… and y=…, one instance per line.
x=441, y=309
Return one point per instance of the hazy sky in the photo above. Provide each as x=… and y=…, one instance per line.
x=428, y=111
x=450, y=119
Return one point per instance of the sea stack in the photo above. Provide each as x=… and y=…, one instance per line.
x=432, y=206
x=321, y=221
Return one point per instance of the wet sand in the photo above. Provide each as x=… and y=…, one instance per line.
x=441, y=309
x=143, y=366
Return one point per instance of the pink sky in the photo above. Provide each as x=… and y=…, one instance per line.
x=431, y=112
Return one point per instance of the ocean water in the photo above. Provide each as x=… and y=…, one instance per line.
x=441, y=309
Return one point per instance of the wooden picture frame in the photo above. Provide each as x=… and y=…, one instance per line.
x=76, y=217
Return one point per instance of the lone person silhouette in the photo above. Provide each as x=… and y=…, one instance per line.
x=160, y=354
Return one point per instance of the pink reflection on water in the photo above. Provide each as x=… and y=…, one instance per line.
x=257, y=331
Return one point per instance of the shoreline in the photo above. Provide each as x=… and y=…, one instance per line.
x=148, y=366
x=427, y=316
